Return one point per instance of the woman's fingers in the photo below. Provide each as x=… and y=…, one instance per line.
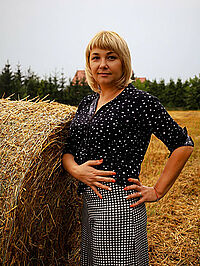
x=100, y=185
x=137, y=202
x=105, y=179
x=144, y=194
x=136, y=181
x=94, y=162
x=134, y=195
x=96, y=191
x=102, y=172
x=135, y=187
x=99, y=172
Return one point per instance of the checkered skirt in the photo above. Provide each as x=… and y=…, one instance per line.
x=113, y=233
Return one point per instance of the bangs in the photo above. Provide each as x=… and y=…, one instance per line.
x=106, y=41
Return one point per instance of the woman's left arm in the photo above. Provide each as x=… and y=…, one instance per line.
x=169, y=175
x=159, y=122
x=172, y=169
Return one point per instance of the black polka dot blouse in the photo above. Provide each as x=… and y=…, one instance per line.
x=120, y=131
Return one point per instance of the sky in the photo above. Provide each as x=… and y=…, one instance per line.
x=51, y=35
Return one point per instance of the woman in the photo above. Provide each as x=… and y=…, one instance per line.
x=108, y=139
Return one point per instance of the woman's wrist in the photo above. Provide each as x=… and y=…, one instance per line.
x=75, y=171
x=70, y=165
x=156, y=193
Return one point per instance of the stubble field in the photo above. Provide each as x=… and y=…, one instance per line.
x=173, y=222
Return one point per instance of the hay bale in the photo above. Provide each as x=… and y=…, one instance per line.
x=39, y=205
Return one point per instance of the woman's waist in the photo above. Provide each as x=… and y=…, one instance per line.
x=121, y=181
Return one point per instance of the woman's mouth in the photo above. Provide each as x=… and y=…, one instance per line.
x=104, y=74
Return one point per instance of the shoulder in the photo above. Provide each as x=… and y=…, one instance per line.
x=87, y=99
x=141, y=97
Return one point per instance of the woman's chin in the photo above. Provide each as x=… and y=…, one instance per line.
x=104, y=82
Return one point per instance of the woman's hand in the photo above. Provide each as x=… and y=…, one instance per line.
x=146, y=194
x=93, y=177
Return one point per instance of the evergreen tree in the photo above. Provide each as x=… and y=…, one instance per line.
x=18, y=86
x=180, y=94
x=31, y=84
x=62, y=81
x=54, y=88
x=75, y=92
x=193, y=94
x=62, y=85
x=6, y=81
x=139, y=85
x=171, y=93
x=161, y=92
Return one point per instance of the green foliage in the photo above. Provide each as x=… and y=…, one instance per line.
x=173, y=95
x=185, y=96
x=6, y=81
x=31, y=85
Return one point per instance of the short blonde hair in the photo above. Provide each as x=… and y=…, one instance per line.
x=109, y=40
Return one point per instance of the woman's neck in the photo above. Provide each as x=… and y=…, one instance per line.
x=109, y=93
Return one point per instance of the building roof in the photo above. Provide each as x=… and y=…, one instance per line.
x=141, y=79
x=80, y=75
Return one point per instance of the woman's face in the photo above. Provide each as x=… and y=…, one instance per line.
x=106, y=67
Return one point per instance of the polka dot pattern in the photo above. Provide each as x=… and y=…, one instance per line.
x=120, y=132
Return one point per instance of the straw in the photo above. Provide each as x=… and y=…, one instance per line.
x=38, y=212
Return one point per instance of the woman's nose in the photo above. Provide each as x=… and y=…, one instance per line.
x=103, y=63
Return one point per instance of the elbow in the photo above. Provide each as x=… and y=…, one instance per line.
x=184, y=151
x=190, y=149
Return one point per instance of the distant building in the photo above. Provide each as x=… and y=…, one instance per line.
x=141, y=79
x=80, y=76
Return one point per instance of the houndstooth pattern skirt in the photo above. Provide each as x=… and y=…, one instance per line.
x=113, y=233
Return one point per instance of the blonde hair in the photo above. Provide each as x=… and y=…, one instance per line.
x=109, y=40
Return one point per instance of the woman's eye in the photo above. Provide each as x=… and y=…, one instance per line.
x=95, y=57
x=111, y=57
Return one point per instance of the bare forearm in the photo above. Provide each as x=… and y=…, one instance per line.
x=69, y=163
x=172, y=169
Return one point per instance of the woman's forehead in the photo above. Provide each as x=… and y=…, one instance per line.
x=101, y=51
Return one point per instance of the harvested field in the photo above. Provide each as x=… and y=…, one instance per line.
x=39, y=208
x=173, y=222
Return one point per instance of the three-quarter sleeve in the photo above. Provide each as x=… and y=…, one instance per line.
x=165, y=128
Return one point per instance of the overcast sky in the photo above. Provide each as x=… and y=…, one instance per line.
x=51, y=35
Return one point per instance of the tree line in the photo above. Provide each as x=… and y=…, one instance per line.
x=17, y=85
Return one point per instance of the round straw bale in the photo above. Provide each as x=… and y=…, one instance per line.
x=40, y=209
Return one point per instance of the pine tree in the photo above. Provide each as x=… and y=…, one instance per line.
x=18, y=84
x=171, y=93
x=31, y=84
x=6, y=81
x=62, y=85
x=180, y=97
x=139, y=85
x=161, y=92
x=193, y=93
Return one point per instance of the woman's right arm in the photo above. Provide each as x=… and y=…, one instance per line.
x=86, y=173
